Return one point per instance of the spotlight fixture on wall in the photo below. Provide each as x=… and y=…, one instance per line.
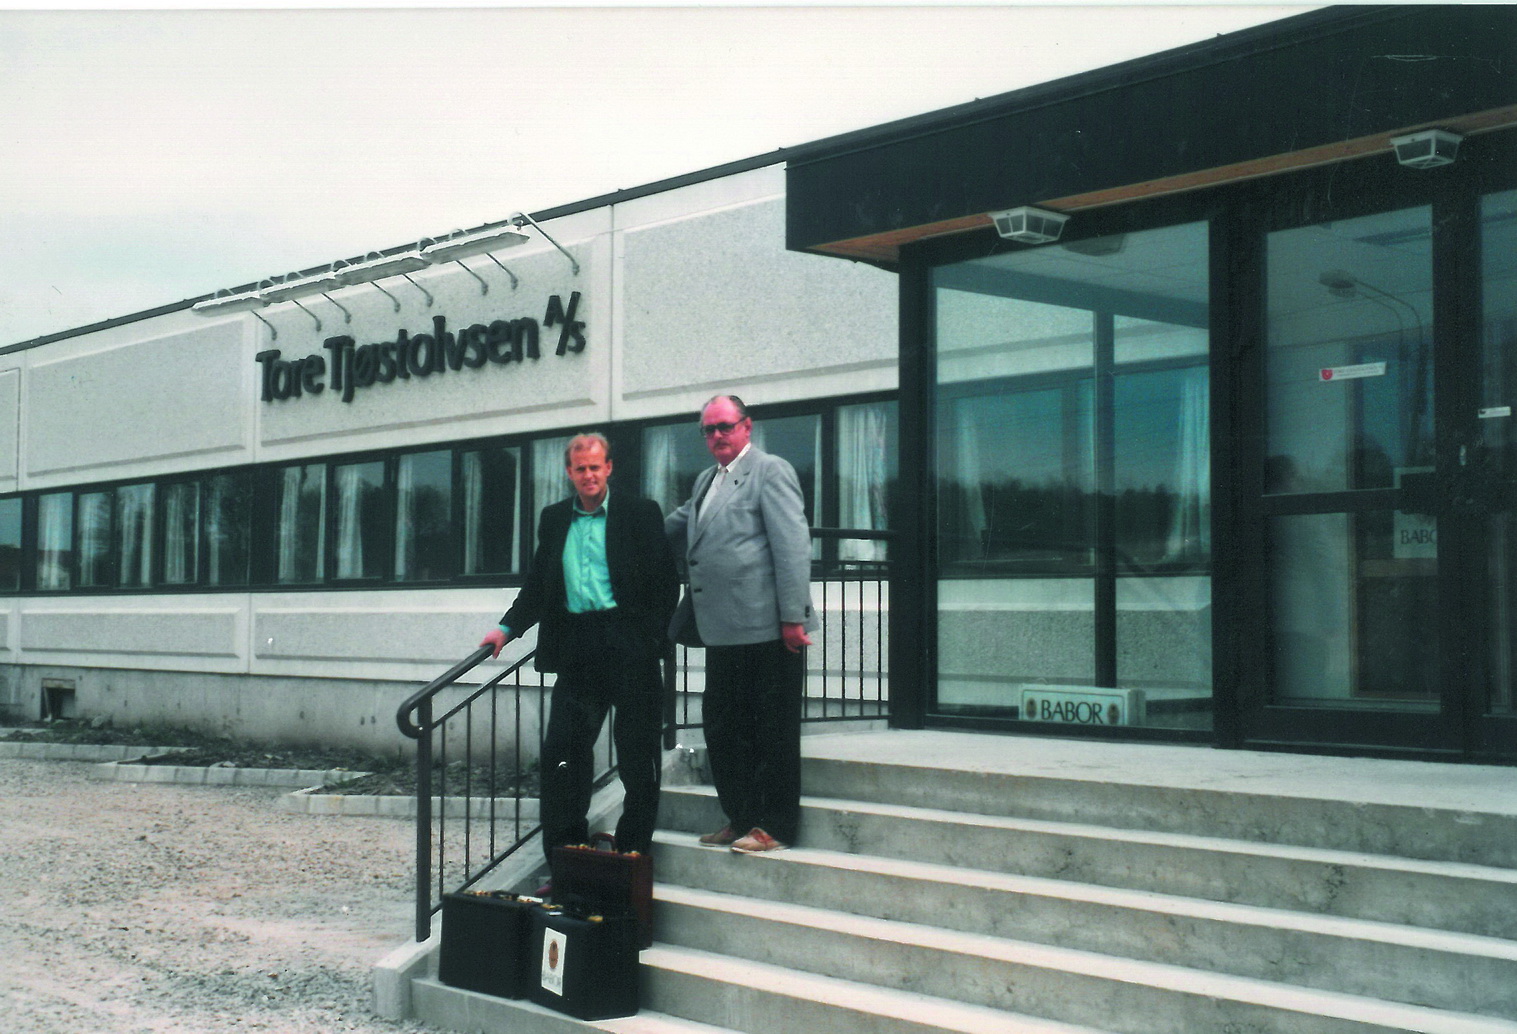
x=521, y=219
x=376, y=267
x=459, y=245
x=296, y=286
x=240, y=301
x=1029, y=225
x=1427, y=149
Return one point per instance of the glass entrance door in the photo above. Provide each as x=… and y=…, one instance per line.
x=1491, y=464
x=1387, y=549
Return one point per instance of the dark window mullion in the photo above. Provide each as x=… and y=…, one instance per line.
x=1105, y=618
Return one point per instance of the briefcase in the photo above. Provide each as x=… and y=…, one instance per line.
x=593, y=880
x=587, y=964
x=487, y=942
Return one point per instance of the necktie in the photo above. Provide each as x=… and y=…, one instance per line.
x=711, y=493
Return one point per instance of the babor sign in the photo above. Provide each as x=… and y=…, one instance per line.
x=350, y=367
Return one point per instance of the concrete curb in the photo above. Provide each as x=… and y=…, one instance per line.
x=311, y=801
x=202, y=775
x=46, y=751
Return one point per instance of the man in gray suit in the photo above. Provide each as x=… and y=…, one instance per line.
x=747, y=546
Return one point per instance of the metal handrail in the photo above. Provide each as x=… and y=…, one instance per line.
x=415, y=719
x=850, y=683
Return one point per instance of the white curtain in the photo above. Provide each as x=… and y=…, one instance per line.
x=405, y=518
x=661, y=466
x=94, y=539
x=965, y=480
x=1190, y=528
x=549, y=483
x=474, y=491
x=55, y=532
x=863, y=449
x=134, y=531
x=302, y=514
x=181, y=521
x=350, y=521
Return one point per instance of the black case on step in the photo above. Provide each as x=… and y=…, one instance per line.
x=585, y=965
x=487, y=943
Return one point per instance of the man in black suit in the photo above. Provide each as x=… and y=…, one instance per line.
x=602, y=587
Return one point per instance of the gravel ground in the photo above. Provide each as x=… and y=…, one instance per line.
x=130, y=908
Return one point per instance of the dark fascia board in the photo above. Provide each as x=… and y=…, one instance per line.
x=1310, y=80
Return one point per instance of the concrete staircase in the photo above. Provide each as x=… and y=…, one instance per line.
x=943, y=899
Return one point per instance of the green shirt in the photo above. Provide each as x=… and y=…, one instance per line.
x=587, y=579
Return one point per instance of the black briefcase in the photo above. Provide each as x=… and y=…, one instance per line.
x=586, y=964
x=587, y=879
x=487, y=942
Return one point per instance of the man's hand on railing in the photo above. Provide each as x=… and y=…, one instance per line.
x=495, y=638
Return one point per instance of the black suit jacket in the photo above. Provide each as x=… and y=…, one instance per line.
x=640, y=560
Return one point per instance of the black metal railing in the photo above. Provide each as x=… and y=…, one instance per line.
x=477, y=747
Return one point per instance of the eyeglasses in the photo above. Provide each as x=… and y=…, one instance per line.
x=723, y=428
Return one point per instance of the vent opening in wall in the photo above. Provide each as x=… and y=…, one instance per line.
x=58, y=699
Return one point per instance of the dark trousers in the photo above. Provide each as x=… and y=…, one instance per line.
x=615, y=667
x=752, y=711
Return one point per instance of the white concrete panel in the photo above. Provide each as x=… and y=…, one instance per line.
x=7, y=627
x=97, y=412
x=184, y=633
x=716, y=302
x=706, y=196
x=554, y=390
x=383, y=635
x=10, y=427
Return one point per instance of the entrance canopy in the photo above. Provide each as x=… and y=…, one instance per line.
x=1322, y=87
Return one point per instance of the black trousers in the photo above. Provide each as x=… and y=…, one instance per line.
x=752, y=710
x=616, y=667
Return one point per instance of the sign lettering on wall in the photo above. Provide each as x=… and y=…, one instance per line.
x=350, y=367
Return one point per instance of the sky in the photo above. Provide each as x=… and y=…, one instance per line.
x=152, y=156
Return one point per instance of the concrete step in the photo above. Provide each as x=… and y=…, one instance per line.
x=759, y=998
x=1379, y=960
x=449, y=1008
x=1469, y=834
x=810, y=960
x=1455, y=897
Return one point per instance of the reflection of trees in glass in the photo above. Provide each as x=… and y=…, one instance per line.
x=228, y=525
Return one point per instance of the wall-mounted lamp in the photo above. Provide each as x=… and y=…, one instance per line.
x=1029, y=225
x=226, y=304
x=521, y=219
x=287, y=290
x=379, y=266
x=1427, y=149
x=460, y=245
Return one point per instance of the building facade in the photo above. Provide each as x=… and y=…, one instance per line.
x=1226, y=457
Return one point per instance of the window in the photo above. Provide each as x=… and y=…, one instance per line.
x=181, y=533
x=673, y=455
x=55, y=539
x=867, y=474
x=424, y=516
x=94, y=525
x=362, y=521
x=228, y=527
x=134, y=536
x=10, y=545
x=300, y=543
x=490, y=482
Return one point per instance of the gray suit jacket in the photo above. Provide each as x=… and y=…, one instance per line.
x=749, y=559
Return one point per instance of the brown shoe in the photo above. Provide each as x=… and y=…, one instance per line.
x=723, y=837
x=757, y=841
